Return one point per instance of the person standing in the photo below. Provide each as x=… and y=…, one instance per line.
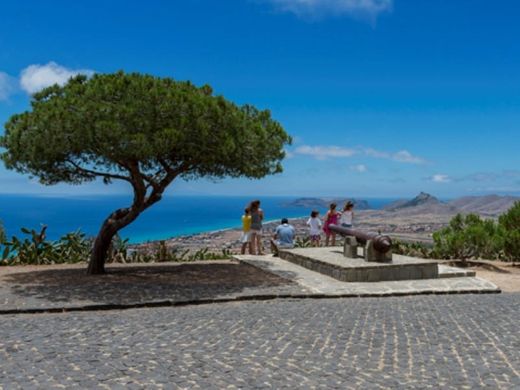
x=331, y=218
x=347, y=216
x=314, y=224
x=246, y=232
x=257, y=216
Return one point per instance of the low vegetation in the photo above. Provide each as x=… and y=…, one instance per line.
x=472, y=237
x=466, y=237
x=34, y=249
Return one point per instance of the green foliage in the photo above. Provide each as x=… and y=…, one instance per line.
x=304, y=242
x=467, y=237
x=470, y=237
x=74, y=247
x=162, y=253
x=414, y=249
x=509, y=225
x=118, y=250
x=35, y=249
x=130, y=126
x=141, y=129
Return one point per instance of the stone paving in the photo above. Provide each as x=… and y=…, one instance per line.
x=331, y=261
x=422, y=342
x=55, y=287
x=320, y=284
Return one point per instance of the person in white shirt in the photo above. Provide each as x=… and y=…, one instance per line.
x=347, y=215
x=314, y=224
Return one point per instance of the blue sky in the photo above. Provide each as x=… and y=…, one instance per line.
x=384, y=98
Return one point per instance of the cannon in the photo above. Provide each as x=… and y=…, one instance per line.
x=377, y=247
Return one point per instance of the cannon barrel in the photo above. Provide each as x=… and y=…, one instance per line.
x=381, y=243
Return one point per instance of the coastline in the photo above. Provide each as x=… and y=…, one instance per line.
x=408, y=227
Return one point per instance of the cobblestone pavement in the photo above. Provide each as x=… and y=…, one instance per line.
x=457, y=342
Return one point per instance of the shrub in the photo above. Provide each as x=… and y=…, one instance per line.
x=509, y=230
x=35, y=249
x=304, y=242
x=467, y=237
x=414, y=249
x=162, y=253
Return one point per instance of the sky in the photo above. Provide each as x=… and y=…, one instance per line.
x=383, y=98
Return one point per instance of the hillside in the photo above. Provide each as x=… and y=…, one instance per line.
x=490, y=205
x=423, y=199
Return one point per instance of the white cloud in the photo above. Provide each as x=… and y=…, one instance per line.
x=406, y=157
x=36, y=77
x=324, y=152
x=360, y=168
x=321, y=8
x=403, y=156
x=7, y=86
x=440, y=178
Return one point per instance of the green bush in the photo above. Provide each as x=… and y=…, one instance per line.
x=468, y=237
x=304, y=242
x=35, y=249
x=414, y=249
x=471, y=237
x=162, y=253
x=509, y=230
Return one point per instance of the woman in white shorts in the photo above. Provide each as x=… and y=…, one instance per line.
x=257, y=216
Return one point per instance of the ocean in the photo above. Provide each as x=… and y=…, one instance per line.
x=172, y=216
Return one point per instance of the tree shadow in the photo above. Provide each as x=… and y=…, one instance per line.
x=138, y=284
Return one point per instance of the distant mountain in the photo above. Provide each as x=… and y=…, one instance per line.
x=423, y=199
x=490, y=205
x=324, y=203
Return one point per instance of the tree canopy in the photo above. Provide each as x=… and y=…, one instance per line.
x=141, y=129
x=113, y=124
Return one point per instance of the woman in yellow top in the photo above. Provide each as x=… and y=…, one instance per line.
x=246, y=232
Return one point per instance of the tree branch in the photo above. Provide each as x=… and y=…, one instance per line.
x=96, y=173
x=157, y=192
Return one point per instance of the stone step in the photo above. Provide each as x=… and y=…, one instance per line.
x=330, y=261
x=454, y=272
x=322, y=285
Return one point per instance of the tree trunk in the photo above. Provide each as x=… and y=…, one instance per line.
x=121, y=218
x=98, y=257
x=115, y=222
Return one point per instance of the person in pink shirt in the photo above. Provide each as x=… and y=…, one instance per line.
x=331, y=218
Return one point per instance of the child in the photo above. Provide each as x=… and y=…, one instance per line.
x=347, y=215
x=331, y=218
x=315, y=227
x=246, y=232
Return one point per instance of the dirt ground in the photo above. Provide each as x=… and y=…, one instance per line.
x=508, y=280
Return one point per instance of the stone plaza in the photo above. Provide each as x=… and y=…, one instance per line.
x=256, y=322
x=418, y=342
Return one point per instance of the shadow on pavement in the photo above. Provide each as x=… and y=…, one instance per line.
x=137, y=284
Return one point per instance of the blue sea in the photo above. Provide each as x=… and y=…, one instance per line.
x=172, y=216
